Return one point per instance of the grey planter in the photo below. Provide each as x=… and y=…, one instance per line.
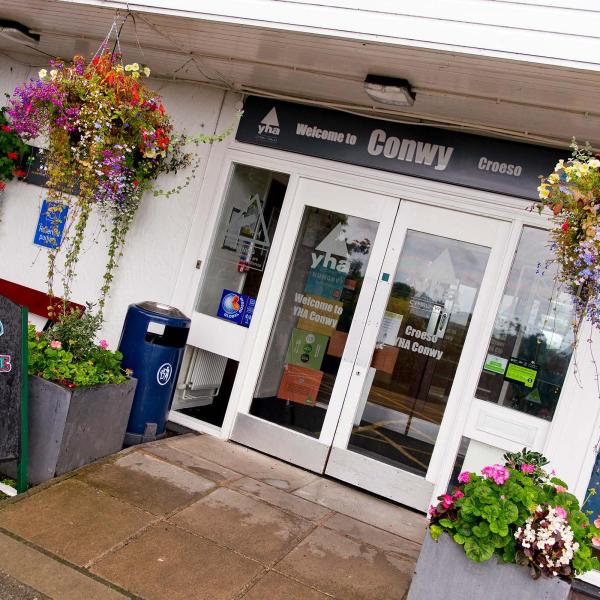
x=69, y=428
x=444, y=573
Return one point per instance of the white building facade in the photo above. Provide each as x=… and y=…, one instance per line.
x=365, y=281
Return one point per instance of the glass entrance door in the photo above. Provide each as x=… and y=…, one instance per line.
x=405, y=389
x=336, y=243
x=374, y=324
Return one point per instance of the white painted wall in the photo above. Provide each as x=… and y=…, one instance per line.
x=156, y=242
x=550, y=31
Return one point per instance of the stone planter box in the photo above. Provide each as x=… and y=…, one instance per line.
x=444, y=572
x=69, y=428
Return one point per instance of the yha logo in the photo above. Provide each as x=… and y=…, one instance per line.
x=5, y=363
x=329, y=262
x=270, y=124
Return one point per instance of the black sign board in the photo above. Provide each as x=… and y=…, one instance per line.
x=12, y=377
x=35, y=169
x=463, y=159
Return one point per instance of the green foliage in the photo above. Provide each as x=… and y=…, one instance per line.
x=75, y=332
x=516, y=460
x=485, y=512
x=13, y=152
x=67, y=354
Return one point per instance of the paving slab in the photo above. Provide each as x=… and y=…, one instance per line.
x=193, y=462
x=366, y=508
x=49, y=577
x=12, y=589
x=348, y=569
x=274, y=586
x=245, y=461
x=73, y=520
x=249, y=526
x=150, y=483
x=286, y=501
x=167, y=562
x=363, y=532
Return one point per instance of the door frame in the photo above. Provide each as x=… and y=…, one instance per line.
x=303, y=450
x=582, y=425
x=348, y=465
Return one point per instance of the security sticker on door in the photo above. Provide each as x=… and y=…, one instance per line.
x=521, y=371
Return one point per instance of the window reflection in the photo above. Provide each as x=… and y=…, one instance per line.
x=419, y=346
x=313, y=321
x=532, y=339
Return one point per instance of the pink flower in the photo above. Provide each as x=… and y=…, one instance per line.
x=458, y=494
x=431, y=511
x=103, y=344
x=464, y=477
x=525, y=468
x=596, y=542
x=496, y=472
x=560, y=512
x=447, y=501
x=55, y=344
x=560, y=489
x=597, y=523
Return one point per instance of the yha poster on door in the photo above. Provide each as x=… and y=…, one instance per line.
x=300, y=384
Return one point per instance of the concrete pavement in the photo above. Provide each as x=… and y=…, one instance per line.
x=195, y=517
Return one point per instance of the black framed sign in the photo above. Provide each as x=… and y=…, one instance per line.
x=13, y=387
x=464, y=159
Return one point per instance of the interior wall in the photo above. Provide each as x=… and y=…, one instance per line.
x=157, y=239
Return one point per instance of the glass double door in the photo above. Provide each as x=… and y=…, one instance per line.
x=373, y=318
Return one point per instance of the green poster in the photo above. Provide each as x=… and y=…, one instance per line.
x=495, y=364
x=521, y=372
x=307, y=349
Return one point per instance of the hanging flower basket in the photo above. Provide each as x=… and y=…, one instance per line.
x=572, y=193
x=108, y=139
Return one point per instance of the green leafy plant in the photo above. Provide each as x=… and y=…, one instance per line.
x=529, y=458
x=13, y=152
x=521, y=514
x=67, y=353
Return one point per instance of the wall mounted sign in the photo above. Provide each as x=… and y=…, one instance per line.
x=463, y=159
x=51, y=225
x=13, y=388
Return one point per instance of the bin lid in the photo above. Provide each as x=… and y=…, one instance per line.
x=162, y=309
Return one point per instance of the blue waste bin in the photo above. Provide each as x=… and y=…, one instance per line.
x=152, y=342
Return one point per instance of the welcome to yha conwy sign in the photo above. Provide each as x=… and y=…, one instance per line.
x=464, y=159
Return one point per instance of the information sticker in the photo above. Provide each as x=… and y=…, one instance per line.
x=521, y=371
x=495, y=364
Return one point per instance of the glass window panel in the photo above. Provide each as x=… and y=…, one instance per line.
x=243, y=239
x=419, y=345
x=532, y=339
x=314, y=317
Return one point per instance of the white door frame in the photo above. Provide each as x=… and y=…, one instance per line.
x=582, y=425
x=403, y=486
x=274, y=439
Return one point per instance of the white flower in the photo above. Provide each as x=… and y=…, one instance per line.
x=53, y=73
x=43, y=73
x=146, y=71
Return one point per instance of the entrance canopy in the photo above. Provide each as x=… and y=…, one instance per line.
x=535, y=99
